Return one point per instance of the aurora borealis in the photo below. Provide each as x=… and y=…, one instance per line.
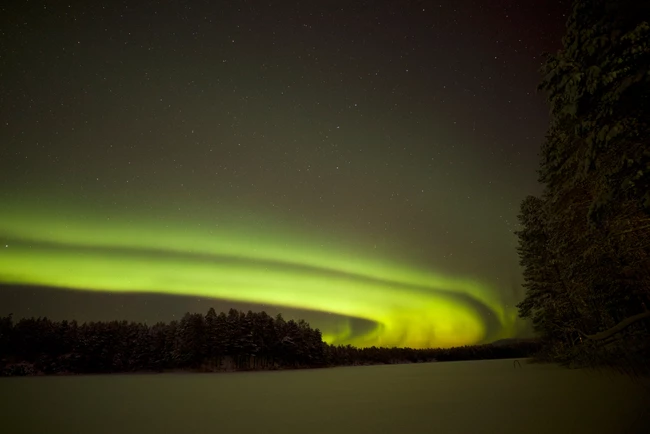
x=364, y=161
x=408, y=306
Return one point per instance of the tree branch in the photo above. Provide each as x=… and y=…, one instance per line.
x=639, y=228
x=618, y=327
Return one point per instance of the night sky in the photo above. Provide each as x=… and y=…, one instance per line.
x=356, y=164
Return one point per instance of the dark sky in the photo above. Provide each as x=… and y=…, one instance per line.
x=382, y=141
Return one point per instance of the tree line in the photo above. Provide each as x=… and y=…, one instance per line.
x=584, y=243
x=211, y=342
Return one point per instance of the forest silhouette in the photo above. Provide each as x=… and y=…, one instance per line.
x=202, y=343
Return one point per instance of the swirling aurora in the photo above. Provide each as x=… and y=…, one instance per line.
x=83, y=249
x=360, y=168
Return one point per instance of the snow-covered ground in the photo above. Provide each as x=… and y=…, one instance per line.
x=445, y=398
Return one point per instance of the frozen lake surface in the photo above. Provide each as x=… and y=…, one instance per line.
x=442, y=398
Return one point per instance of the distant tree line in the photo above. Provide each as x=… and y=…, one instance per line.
x=211, y=342
x=584, y=242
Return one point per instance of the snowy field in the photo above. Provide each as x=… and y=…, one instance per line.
x=445, y=398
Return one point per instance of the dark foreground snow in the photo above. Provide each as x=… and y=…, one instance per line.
x=445, y=398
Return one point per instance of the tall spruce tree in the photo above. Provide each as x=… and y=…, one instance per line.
x=585, y=244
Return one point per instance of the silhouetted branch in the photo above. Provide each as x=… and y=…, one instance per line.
x=618, y=327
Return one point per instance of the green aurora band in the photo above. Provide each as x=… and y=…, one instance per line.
x=84, y=249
